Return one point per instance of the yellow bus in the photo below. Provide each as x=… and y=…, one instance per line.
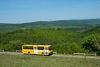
x=37, y=49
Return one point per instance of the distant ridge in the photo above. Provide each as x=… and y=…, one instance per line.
x=53, y=21
x=76, y=25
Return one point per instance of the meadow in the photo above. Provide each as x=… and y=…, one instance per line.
x=7, y=60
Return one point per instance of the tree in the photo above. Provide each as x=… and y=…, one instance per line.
x=91, y=43
x=16, y=44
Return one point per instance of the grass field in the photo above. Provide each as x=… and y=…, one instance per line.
x=45, y=61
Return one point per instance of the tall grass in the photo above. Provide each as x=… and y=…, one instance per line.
x=45, y=61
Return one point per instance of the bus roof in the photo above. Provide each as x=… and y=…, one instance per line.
x=39, y=45
x=28, y=45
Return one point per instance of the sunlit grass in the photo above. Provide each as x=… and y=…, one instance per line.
x=45, y=61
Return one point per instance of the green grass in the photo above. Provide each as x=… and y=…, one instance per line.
x=45, y=61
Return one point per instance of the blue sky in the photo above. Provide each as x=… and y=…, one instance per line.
x=22, y=11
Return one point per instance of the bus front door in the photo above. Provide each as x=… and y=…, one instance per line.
x=35, y=50
x=46, y=51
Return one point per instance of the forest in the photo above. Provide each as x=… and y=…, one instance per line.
x=63, y=39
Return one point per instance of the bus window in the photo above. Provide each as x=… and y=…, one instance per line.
x=27, y=47
x=40, y=48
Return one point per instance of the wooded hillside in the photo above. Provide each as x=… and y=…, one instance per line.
x=74, y=25
x=63, y=41
x=66, y=36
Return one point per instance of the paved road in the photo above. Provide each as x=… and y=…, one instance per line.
x=55, y=55
x=11, y=53
x=73, y=56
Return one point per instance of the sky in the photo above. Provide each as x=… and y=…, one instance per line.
x=23, y=11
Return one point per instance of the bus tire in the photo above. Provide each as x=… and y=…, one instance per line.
x=42, y=54
x=28, y=53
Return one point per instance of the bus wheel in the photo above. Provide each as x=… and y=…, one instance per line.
x=42, y=54
x=28, y=53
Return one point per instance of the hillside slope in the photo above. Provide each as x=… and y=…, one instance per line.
x=75, y=25
x=56, y=37
x=63, y=41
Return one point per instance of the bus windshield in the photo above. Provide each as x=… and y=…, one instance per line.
x=50, y=48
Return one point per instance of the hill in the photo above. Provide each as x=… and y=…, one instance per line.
x=66, y=36
x=75, y=25
x=57, y=37
x=63, y=41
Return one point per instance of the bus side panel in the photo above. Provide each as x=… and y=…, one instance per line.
x=40, y=52
x=50, y=52
x=26, y=51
